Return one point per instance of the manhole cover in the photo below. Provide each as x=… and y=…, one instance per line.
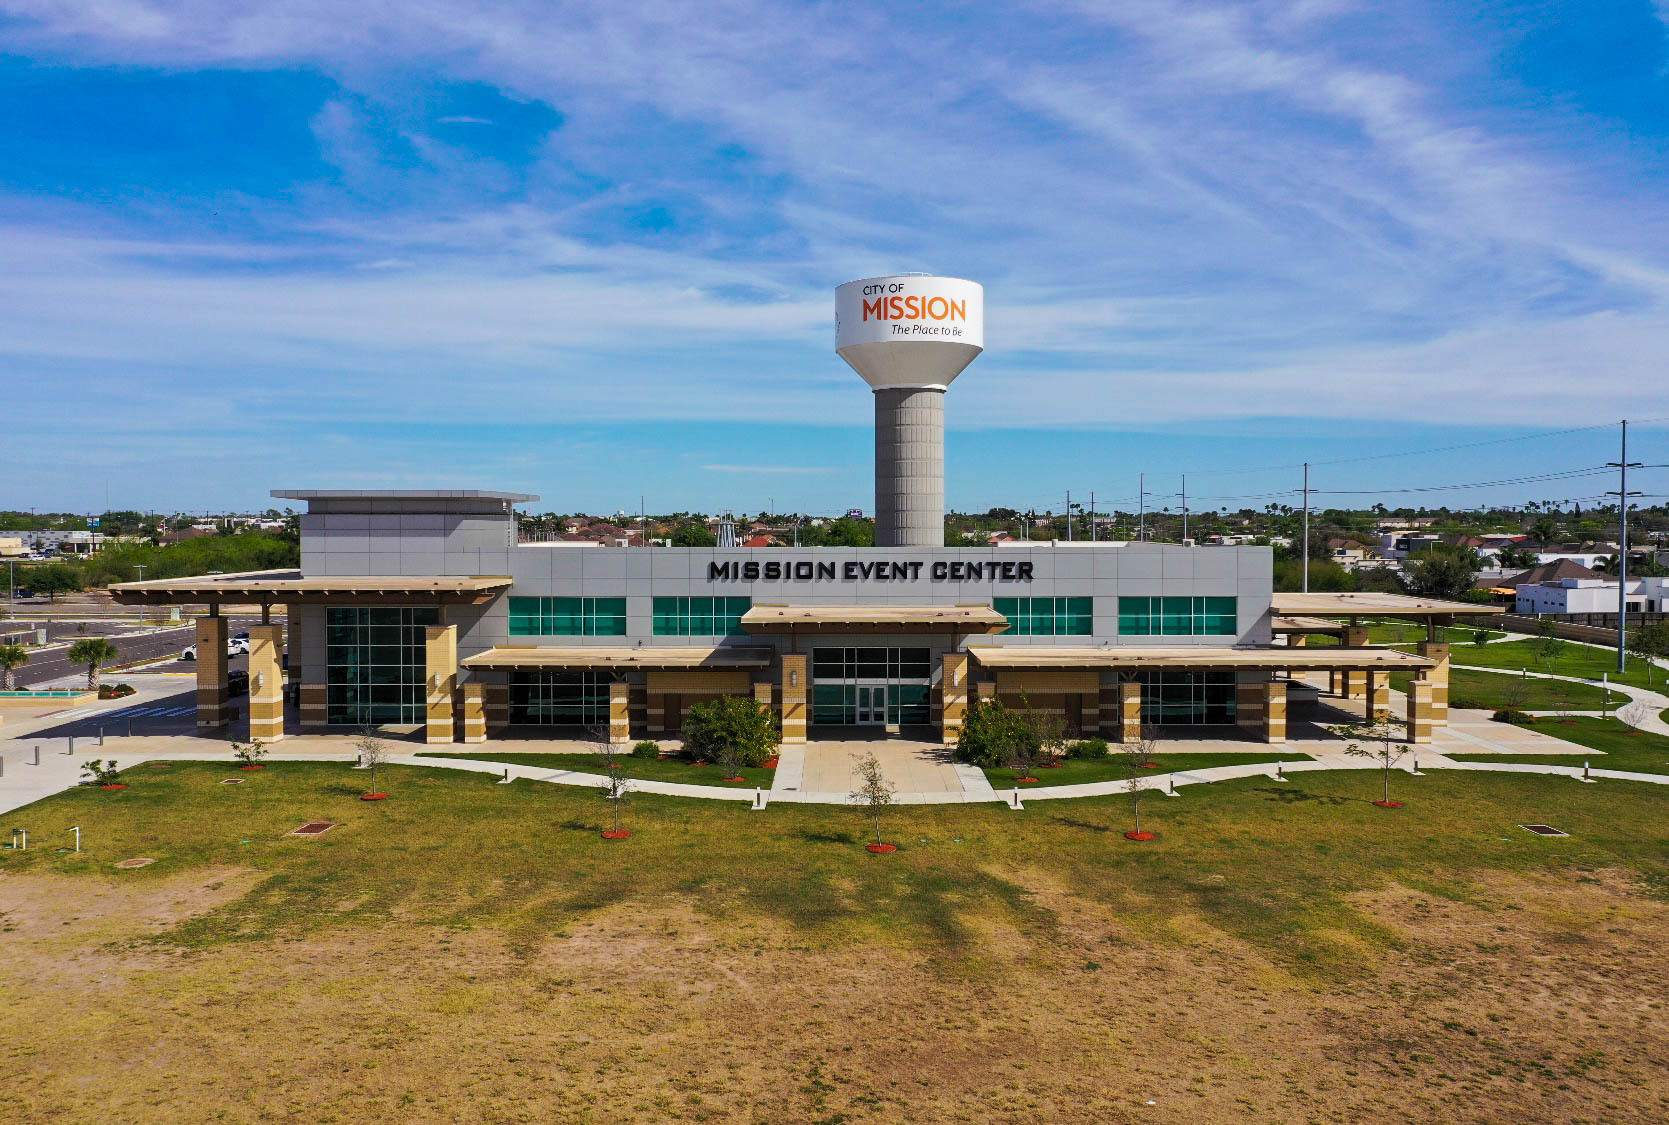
x=127, y=864
x=314, y=828
x=1543, y=830
x=233, y=780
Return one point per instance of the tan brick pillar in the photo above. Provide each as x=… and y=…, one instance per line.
x=1249, y=701
x=1130, y=712
x=211, y=672
x=953, y=695
x=1298, y=640
x=655, y=713
x=763, y=694
x=440, y=681
x=1274, y=711
x=1378, y=696
x=794, y=691
x=498, y=707
x=1420, y=694
x=315, y=706
x=619, y=713
x=1089, y=713
x=1355, y=682
x=473, y=705
x=266, y=682
x=1439, y=677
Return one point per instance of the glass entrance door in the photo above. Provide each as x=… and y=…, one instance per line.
x=872, y=705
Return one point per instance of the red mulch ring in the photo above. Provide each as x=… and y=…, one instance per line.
x=373, y=797
x=1025, y=779
x=701, y=763
x=117, y=786
x=1150, y=765
x=732, y=779
x=1389, y=804
x=1143, y=836
x=882, y=849
x=1051, y=765
x=771, y=763
x=252, y=767
x=615, y=833
x=613, y=765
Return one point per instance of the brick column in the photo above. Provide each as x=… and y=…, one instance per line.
x=473, y=705
x=211, y=672
x=794, y=691
x=440, y=681
x=1439, y=677
x=953, y=695
x=1249, y=701
x=266, y=682
x=1420, y=693
x=1298, y=640
x=655, y=713
x=498, y=707
x=1378, y=695
x=619, y=713
x=764, y=695
x=1275, y=711
x=1130, y=712
x=1355, y=682
x=1089, y=713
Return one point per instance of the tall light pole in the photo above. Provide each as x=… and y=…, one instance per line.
x=1622, y=466
x=1185, y=507
x=1141, y=507
x=1306, y=551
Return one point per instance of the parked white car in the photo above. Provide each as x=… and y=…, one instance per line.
x=237, y=646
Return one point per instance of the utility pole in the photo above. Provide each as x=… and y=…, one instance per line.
x=1069, y=515
x=1623, y=466
x=1092, y=536
x=1141, y=507
x=643, y=517
x=1306, y=551
x=1185, y=507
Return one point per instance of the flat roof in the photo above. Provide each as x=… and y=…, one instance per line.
x=617, y=656
x=1371, y=604
x=290, y=586
x=1305, y=625
x=1138, y=656
x=400, y=494
x=873, y=618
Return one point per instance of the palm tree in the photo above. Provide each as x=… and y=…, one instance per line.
x=11, y=656
x=93, y=652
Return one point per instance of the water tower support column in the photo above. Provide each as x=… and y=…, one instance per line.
x=910, y=467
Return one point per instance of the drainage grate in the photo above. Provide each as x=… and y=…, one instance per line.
x=314, y=828
x=131, y=863
x=233, y=780
x=1543, y=830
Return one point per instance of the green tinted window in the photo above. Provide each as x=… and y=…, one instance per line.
x=1047, y=617
x=1177, y=617
x=567, y=617
x=699, y=617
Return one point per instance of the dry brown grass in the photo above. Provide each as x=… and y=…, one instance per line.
x=1530, y=1001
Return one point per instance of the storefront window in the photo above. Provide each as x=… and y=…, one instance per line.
x=545, y=697
x=375, y=664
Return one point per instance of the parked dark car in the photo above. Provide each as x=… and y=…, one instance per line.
x=237, y=683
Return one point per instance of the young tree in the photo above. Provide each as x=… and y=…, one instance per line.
x=1378, y=740
x=1134, y=758
x=1547, y=645
x=373, y=753
x=251, y=754
x=1648, y=643
x=873, y=794
x=731, y=723
x=11, y=656
x=100, y=773
x=94, y=652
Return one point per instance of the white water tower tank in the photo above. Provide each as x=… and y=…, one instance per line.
x=909, y=336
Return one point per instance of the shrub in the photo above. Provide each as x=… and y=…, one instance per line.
x=646, y=749
x=1508, y=715
x=1087, y=748
x=993, y=736
x=100, y=773
x=732, y=722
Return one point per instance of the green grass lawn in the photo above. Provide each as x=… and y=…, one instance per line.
x=646, y=769
x=1079, y=771
x=1622, y=747
x=1490, y=690
x=1573, y=660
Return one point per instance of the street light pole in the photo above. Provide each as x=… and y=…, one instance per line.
x=1306, y=551
x=1623, y=466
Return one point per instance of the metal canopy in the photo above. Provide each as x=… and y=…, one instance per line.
x=618, y=656
x=1138, y=656
x=873, y=619
x=289, y=587
x=1373, y=605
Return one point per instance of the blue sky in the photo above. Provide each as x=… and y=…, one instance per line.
x=588, y=250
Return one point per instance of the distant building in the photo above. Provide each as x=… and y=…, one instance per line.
x=1591, y=595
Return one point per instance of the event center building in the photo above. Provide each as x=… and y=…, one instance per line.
x=423, y=609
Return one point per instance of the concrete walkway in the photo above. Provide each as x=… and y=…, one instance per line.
x=1643, y=711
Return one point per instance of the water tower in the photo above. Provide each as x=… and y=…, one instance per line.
x=909, y=336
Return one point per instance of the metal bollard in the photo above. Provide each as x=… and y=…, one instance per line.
x=1280, y=771
x=71, y=750
x=37, y=760
x=130, y=728
x=101, y=736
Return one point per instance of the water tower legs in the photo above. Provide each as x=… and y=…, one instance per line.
x=910, y=467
